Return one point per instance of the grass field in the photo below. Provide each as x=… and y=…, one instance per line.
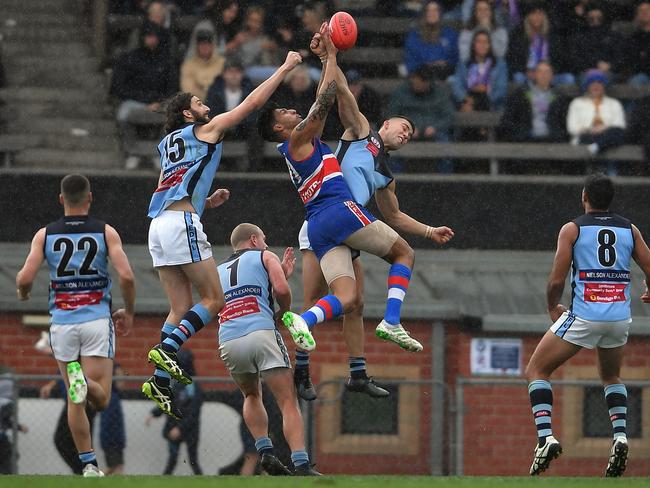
x=326, y=481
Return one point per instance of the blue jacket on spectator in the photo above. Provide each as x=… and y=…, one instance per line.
x=498, y=83
x=418, y=52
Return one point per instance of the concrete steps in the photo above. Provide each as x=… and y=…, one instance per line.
x=57, y=95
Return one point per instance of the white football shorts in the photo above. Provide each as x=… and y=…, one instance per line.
x=303, y=238
x=71, y=341
x=590, y=334
x=176, y=237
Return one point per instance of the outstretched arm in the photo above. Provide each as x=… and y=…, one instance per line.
x=25, y=277
x=279, y=284
x=354, y=122
x=213, y=131
x=123, y=317
x=389, y=207
x=300, y=141
x=561, y=265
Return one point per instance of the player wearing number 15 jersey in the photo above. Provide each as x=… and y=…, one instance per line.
x=598, y=246
x=189, y=158
x=76, y=248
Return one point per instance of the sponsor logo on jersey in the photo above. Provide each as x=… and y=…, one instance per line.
x=72, y=301
x=79, y=284
x=239, y=308
x=328, y=169
x=242, y=291
x=604, y=292
x=614, y=275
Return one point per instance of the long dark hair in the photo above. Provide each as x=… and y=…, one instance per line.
x=174, y=107
x=473, y=21
x=472, y=50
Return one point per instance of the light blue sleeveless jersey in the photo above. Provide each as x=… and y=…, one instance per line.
x=247, y=292
x=601, y=267
x=76, y=253
x=188, y=166
x=365, y=166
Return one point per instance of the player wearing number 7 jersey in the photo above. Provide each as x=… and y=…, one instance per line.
x=189, y=157
x=598, y=247
x=76, y=248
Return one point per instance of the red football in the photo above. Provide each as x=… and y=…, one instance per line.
x=343, y=30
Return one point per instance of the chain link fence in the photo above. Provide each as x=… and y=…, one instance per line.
x=482, y=427
x=344, y=432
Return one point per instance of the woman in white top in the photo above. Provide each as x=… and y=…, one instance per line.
x=594, y=118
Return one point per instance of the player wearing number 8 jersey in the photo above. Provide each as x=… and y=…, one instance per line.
x=599, y=246
x=76, y=248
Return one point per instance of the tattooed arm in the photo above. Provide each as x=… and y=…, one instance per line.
x=302, y=136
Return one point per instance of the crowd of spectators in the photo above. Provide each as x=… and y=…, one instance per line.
x=463, y=55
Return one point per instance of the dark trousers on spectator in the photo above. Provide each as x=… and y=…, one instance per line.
x=192, y=450
x=607, y=139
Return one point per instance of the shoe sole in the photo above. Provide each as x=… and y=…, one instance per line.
x=617, y=468
x=155, y=358
x=386, y=336
x=554, y=452
x=147, y=391
x=301, y=338
x=78, y=390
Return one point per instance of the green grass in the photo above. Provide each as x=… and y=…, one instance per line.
x=324, y=482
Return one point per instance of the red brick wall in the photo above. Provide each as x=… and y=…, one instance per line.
x=499, y=433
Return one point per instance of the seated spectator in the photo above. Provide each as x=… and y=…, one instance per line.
x=483, y=19
x=142, y=78
x=369, y=101
x=226, y=92
x=533, y=42
x=506, y=13
x=298, y=90
x=159, y=16
x=257, y=52
x=480, y=83
x=287, y=38
x=224, y=19
x=204, y=64
x=594, y=118
x=431, y=44
x=8, y=409
x=637, y=48
x=596, y=45
x=427, y=105
x=535, y=112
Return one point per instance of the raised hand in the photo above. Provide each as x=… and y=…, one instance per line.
x=318, y=47
x=293, y=59
x=219, y=197
x=288, y=262
x=326, y=40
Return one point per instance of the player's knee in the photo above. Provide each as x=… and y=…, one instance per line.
x=403, y=253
